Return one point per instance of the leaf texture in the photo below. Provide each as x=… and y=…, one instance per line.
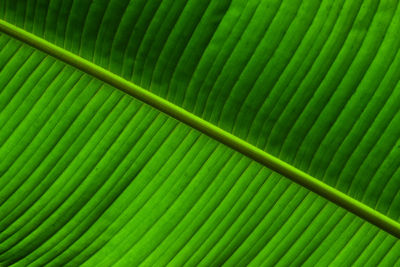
x=91, y=176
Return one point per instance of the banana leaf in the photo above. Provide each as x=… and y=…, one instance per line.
x=199, y=133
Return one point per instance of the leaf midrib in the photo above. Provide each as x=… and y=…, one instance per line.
x=332, y=194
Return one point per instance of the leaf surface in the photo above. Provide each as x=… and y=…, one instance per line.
x=91, y=176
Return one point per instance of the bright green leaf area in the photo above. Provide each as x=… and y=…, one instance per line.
x=91, y=176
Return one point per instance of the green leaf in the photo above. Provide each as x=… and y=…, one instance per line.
x=256, y=89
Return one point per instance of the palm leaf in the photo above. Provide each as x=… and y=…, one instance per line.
x=237, y=94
